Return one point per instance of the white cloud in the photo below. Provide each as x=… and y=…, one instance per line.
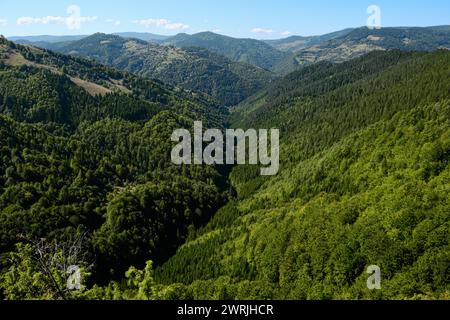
x=73, y=21
x=3, y=22
x=262, y=31
x=113, y=21
x=163, y=24
x=286, y=33
x=43, y=20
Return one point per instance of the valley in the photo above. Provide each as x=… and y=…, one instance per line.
x=363, y=175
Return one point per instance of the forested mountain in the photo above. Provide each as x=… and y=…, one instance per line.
x=45, y=39
x=294, y=52
x=364, y=181
x=86, y=149
x=254, y=52
x=357, y=42
x=280, y=56
x=145, y=36
x=364, y=177
x=296, y=43
x=192, y=68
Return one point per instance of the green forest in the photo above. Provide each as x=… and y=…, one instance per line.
x=86, y=178
x=192, y=68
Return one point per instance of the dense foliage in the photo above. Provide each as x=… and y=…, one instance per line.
x=72, y=160
x=297, y=43
x=348, y=44
x=191, y=68
x=250, y=51
x=364, y=180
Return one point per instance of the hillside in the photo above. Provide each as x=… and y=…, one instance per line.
x=45, y=39
x=250, y=51
x=290, y=54
x=190, y=68
x=83, y=148
x=297, y=43
x=145, y=36
x=364, y=177
x=364, y=181
x=280, y=56
x=363, y=40
x=312, y=80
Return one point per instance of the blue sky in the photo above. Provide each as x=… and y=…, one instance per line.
x=263, y=19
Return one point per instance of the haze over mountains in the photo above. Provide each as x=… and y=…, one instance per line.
x=250, y=51
x=150, y=37
x=191, y=68
x=357, y=42
x=279, y=56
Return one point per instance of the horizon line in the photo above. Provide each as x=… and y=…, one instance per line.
x=218, y=33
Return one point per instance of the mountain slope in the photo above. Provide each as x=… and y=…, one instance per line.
x=364, y=181
x=149, y=37
x=145, y=36
x=250, y=51
x=83, y=148
x=98, y=81
x=363, y=40
x=45, y=39
x=190, y=68
x=311, y=81
x=296, y=43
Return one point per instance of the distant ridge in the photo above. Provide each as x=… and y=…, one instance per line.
x=45, y=38
x=296, y=43
x=251, y=51
x=149, y=37
x=286, y=55
x=195, y=69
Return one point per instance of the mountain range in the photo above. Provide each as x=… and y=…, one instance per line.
x=85, y=146
x=86, y=131
x=285, y=55
x=192, y=68
x=364, y=144
x=296, y=43
x=357, y=42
